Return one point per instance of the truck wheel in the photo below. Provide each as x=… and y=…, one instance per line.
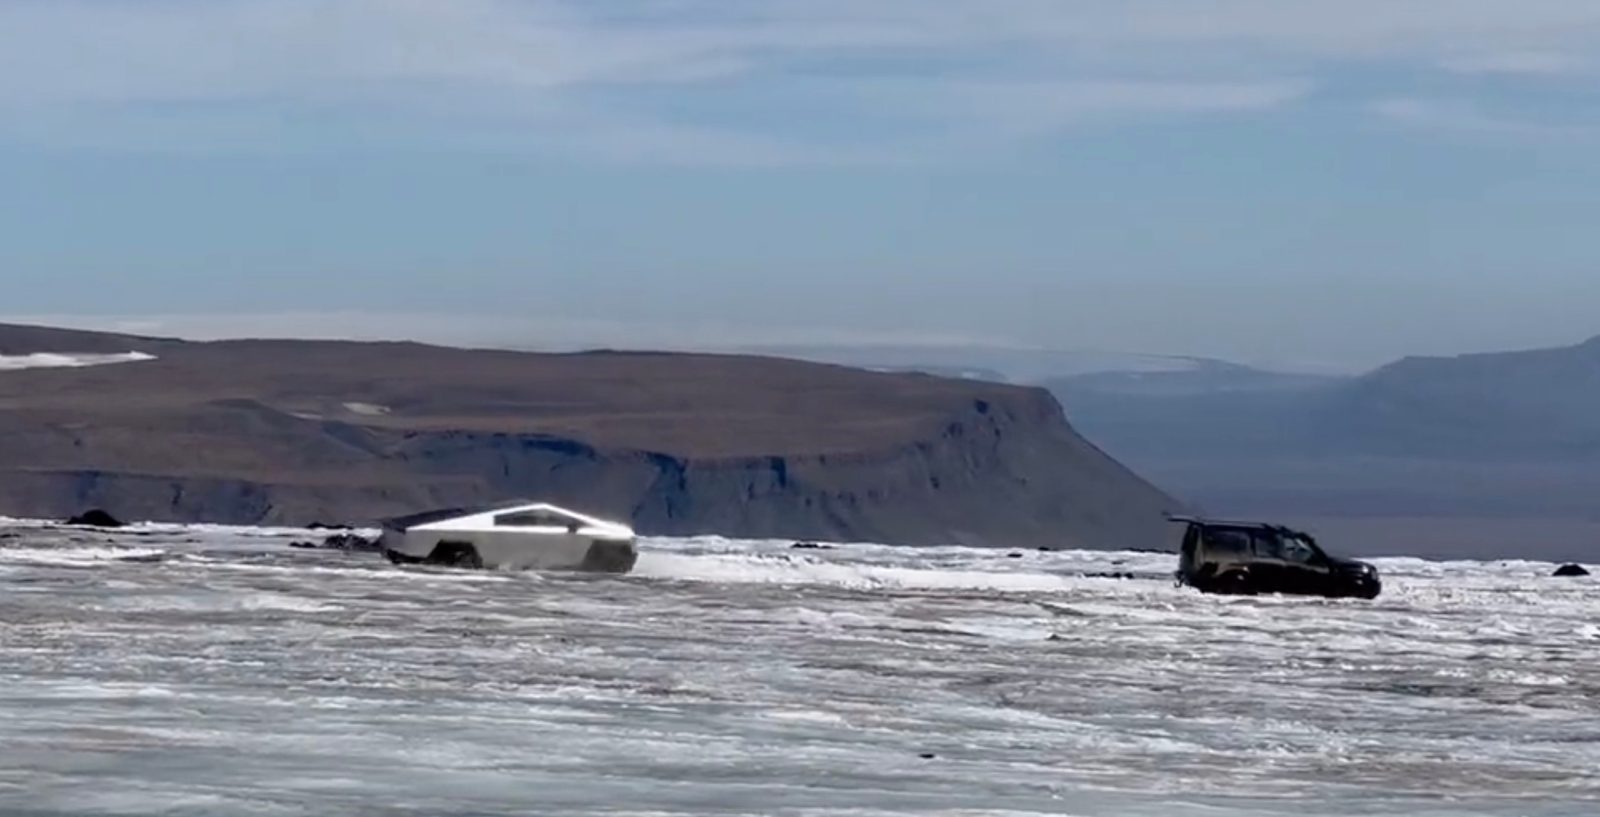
x=609, y=557
x=456, y=554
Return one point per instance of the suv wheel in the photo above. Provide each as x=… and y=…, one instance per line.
x=1235, y=583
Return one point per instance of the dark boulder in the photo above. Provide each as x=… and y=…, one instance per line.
x=349, y=541
x=1571, y=570
x=340, y=541
x=96, y=519
x=148, y=559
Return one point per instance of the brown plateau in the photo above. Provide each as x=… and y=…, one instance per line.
x=290, y=432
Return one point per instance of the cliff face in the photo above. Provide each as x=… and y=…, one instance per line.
x=290, y=433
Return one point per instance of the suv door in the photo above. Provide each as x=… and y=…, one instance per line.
x=1305, y=568
x=1224, y=560
x=1267, y=564
x=1189, y=553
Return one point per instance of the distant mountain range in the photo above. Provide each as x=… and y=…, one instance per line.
x=1454, y=450
x=1535, y=405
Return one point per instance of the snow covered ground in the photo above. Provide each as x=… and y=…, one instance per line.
x=204, y=670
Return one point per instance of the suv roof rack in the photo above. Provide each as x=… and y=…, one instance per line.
x=1233, y=523
x=1205, y=520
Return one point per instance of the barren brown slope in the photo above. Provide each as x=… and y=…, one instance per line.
x=291, y=432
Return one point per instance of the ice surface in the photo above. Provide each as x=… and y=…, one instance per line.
x=209, y=670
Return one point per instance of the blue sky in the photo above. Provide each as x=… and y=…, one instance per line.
x=1305, y=183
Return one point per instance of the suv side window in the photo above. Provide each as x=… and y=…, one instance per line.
x=1268, y=545
x=1227, y=543
x=1299, y=551
x=1293, y=549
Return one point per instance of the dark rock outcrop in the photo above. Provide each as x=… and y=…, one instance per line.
x=349, y=541
x=96, y=519
x=341, y=541
x=1571, y=570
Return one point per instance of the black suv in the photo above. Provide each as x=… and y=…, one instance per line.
x=1254, y=557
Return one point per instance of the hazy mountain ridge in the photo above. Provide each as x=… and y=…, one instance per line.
x=1530, y=404
x=1538, y=404
x=1499, y=436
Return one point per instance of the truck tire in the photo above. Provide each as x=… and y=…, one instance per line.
x=456, y=554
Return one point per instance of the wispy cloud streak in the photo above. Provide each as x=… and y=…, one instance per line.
x=675, y=80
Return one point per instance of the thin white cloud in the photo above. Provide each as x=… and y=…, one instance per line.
x=1049, y=105
x=1466, y=117
x=193, y=73
x=1418, y=29
x=1527, y=63
x=1005, y=111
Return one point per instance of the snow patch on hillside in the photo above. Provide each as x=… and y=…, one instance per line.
x=67, y=360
